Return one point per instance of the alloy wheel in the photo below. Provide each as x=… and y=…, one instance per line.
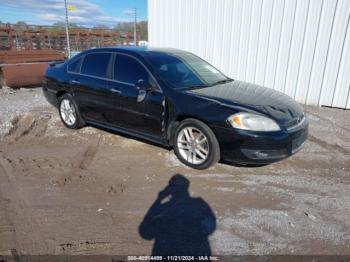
x=67, y=111
x=193, y=145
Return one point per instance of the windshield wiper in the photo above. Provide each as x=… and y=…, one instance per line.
x=222, y=82
x=197, y=86
x=192, y=87
x=203, y=86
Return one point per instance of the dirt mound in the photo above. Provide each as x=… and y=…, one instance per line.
x=28, y=126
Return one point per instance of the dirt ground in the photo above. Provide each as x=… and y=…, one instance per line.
x=88, y=191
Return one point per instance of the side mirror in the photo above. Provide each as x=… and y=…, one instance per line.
x=143, y=85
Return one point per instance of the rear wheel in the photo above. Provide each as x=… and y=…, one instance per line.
x=195, y=144
x=69, y=112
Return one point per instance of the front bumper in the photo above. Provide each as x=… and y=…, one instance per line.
x=258, y=148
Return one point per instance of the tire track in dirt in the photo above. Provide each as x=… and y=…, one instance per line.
x=79, y=247
x=27, y=130
x=88, y=155
x=14, y=123
x=329, y=121
x=82, y=162
x=325, y=145
x=23, y=126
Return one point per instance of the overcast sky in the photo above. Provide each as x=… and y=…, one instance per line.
x=88, y=13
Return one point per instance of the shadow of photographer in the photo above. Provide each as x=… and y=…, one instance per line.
x=179, y=224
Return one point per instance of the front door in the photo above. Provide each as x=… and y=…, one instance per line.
x=137, y=111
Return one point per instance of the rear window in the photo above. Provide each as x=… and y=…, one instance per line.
x=96, y=64
x=75, y=65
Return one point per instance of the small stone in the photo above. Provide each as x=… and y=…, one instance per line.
x=310, y=216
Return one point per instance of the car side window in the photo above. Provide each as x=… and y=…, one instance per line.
x=96, y=64
x=75, y=65
x=129, y=70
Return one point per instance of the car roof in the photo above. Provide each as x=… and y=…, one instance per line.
x=143, y=51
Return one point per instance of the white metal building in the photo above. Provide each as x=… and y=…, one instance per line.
x=300, y=47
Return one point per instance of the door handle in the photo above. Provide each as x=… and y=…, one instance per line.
x=116, y=91
x=76, y=82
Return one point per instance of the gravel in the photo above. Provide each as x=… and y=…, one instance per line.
x=18, y=102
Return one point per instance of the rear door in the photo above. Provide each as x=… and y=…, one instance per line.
x=143, y=116
x=90, y=86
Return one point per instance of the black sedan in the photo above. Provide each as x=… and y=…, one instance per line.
x=176, y=99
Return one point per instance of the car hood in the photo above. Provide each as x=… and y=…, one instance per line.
x=240, y=94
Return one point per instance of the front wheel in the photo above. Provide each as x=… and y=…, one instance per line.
x=195, y=144
x=69, y=112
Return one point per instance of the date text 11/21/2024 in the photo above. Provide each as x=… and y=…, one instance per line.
x=173, y=258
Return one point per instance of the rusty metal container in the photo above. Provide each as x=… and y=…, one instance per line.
x=25, y=68
x=11, y=57
x=23, y=74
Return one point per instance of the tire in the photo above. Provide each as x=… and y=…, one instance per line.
x=191, y=149
x=67, y=105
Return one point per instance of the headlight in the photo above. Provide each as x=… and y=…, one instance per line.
x=253, y=122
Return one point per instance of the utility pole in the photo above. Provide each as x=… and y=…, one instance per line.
x=129, y=12
x=67, y=29
x=135, y=21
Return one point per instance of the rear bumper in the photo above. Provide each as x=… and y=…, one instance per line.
x=50, y=95
x=258, y=148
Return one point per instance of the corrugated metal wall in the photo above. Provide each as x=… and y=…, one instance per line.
x=300, y=47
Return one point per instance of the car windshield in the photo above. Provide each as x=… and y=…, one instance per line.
x=185, y=70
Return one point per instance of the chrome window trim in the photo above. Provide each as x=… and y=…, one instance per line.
x=103, y=78
x=114, y=56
